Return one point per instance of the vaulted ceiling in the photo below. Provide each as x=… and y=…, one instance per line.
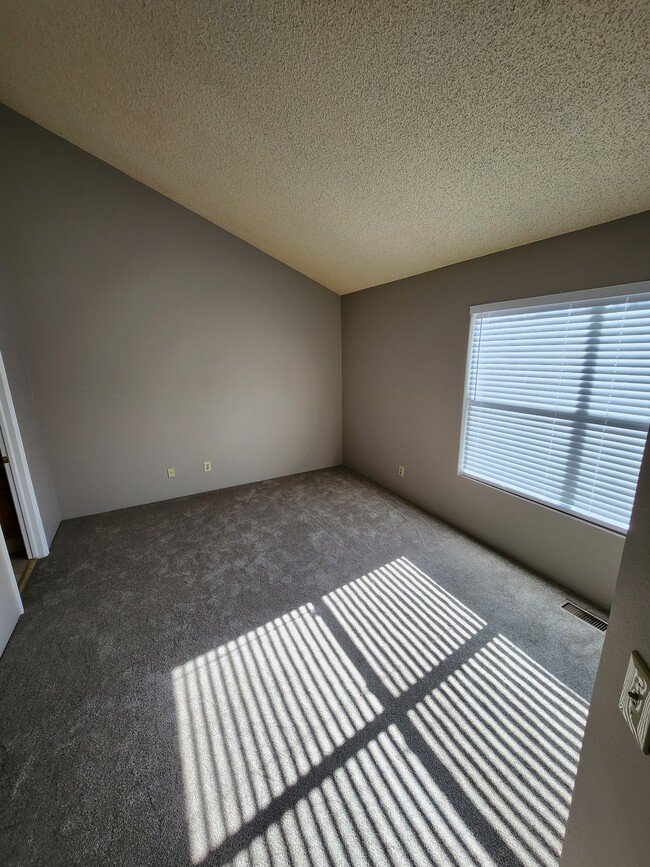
x=358, y=142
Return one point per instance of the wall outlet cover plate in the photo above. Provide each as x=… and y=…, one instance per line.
x=636, y=710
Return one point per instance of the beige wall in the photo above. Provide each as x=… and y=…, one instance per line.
x=608, y=822
x=155, y=339
x=404, y=353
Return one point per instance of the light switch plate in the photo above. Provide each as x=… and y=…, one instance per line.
x=634, y=703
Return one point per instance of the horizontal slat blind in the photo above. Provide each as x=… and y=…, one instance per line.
x=557, y=403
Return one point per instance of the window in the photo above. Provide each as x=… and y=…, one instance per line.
x=557, y=400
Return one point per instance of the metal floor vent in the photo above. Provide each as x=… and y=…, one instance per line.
x=577, y=611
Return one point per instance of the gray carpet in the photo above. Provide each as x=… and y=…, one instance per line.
x=301, y=671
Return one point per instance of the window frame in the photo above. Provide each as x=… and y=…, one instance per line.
x=538, y=302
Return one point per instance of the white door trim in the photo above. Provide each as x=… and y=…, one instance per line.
x=20, y=479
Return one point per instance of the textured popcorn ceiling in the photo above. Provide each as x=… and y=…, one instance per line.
x=360, y=141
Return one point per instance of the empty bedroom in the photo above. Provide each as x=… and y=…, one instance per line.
x=324, y=404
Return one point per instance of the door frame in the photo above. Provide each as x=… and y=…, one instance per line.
x=20, y=480
x=7, y=572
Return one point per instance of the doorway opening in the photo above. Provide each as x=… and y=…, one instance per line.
x=21, y=509
x=23, y=535
x=12, y=530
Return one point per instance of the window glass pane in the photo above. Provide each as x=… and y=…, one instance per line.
x=557, y=403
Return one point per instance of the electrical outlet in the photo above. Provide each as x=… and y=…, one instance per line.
x=207, y=466
x=634, y=703
x=400, y=471
x=171, y=472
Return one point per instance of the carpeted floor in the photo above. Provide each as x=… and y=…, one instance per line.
x=301, y=671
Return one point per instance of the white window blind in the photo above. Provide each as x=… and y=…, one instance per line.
x=557, y=402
